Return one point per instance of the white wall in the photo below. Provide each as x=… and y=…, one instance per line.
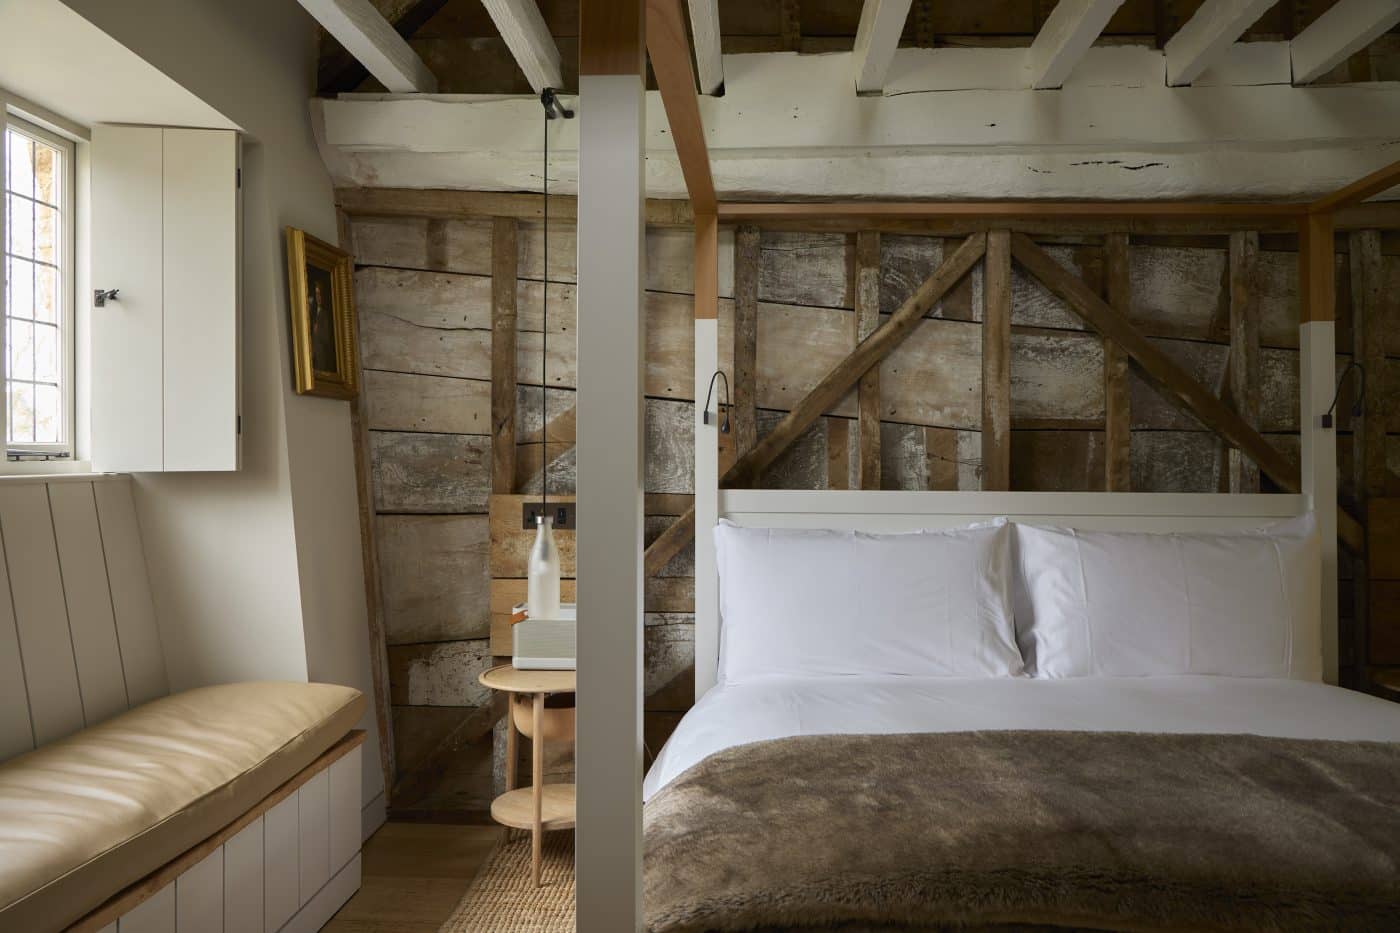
x=257, y=574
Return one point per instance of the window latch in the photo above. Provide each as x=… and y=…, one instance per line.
x=101, y=296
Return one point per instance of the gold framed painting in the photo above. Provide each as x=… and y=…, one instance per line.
x=325, y=361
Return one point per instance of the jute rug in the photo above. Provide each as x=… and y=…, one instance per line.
x=503, y=897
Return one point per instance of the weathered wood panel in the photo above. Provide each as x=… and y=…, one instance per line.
x=815, y=270
x=1057, y=461
x=1118, y=289
x=1176, y=461
x=404, y=341
x=905, y=261
x=430, y=473
x=670, y=253
x=503, y=356
x=803, y=464
x=422, y=243
x=431, y=298
x=1244, y=351
x=670, y=594
x=433, y=576
x=511, y=542
x=670, y=446
x=669, y=661
x=683, y=563
x=426, y=404
x=440, y=674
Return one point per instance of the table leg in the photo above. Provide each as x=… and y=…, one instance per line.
x=537, y=749
x=512, y=752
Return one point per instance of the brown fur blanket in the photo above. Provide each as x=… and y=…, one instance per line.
x=1110, y=831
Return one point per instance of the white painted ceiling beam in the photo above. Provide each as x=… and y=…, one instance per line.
x=523, y=28
x=877, y=38
x=789, y=125
x=1341, y=32
x=1208, y=35
x=704, y=30
x=367, y=35
x=1065, y=37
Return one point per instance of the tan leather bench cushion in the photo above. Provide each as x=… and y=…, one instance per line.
x=84, y=817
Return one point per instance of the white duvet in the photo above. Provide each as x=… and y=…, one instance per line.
x=777, y=707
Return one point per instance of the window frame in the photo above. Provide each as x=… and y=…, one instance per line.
x=64, y=450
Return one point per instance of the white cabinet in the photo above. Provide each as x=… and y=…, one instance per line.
x=165, y=352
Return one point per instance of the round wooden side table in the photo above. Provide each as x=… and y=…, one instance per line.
x=540, y=807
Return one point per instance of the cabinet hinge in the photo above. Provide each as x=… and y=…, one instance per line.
x=238, y=178
x=237, y=424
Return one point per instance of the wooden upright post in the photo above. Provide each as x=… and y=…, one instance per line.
x=1117, y=397
x=611, y=344
x=996, y=363
x=1244, y=351
x=868, y=392
x=1317, y=363
x=503, y=275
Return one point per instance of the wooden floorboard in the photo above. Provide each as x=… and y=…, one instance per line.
x=414, y=875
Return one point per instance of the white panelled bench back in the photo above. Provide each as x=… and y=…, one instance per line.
x=78, y=636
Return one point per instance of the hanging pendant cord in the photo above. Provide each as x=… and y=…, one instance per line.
x=546, y=98
x=552, y=108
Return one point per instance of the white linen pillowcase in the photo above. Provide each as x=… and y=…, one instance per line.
x=827, y=602
x=1115, y=604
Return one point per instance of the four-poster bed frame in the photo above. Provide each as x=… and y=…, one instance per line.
x=611, y=211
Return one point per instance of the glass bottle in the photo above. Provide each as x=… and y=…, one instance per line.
x=542, y=587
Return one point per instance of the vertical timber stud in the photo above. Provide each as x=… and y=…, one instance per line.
x=503, y=273
x=996, y=363
x=745, y=414
x=867, y=319
x=1118, y=423
x=1244, y=351
x=707, y=445
x=1317, y=345
x=1368, y=334
x=611, y=344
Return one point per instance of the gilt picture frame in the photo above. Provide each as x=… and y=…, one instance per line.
x=325, y=357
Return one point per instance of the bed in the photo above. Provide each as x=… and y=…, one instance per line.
x=787, y=801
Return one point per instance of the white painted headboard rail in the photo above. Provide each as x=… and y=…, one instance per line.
x=78, y=635
x=897, y=511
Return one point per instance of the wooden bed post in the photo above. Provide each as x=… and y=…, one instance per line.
x=611, y=345
x=1317, y=378
x=706, y=448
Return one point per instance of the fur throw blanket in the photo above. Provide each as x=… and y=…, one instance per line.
x=1108, y=831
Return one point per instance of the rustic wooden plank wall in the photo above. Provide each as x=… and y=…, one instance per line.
x=428, y=309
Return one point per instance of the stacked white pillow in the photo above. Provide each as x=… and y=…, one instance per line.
x=824, y=602
x=1101, y=603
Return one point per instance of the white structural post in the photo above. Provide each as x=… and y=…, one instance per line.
x=611, y=344
x=706, y=453
x=1318, y=377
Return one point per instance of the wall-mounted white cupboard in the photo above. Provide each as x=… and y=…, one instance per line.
x=165, y=352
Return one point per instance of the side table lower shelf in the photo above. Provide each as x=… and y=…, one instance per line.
x=516, y=808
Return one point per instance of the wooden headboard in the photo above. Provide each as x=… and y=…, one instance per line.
x=78, y=636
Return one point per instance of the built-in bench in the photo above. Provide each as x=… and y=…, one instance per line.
x=228, y=807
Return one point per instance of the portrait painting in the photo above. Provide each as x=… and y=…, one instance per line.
x=324, y=353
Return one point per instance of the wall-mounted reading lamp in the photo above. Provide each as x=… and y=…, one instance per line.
x=1356, y=408
x=724, y=405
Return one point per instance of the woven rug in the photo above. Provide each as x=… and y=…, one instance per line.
x=503, y=897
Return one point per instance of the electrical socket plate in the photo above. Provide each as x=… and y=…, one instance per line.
x=565, y=515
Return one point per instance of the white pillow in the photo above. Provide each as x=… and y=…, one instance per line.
x=1101, y=603
x=804, y=602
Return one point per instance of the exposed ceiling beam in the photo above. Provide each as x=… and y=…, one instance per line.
x=523, y=28
x=877, y=37
x=1336, y=35
x=1065, y=37
x=367, y=35
x=704, y=31
x=670, y=62
x=338, y=70
x=1207, y=36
